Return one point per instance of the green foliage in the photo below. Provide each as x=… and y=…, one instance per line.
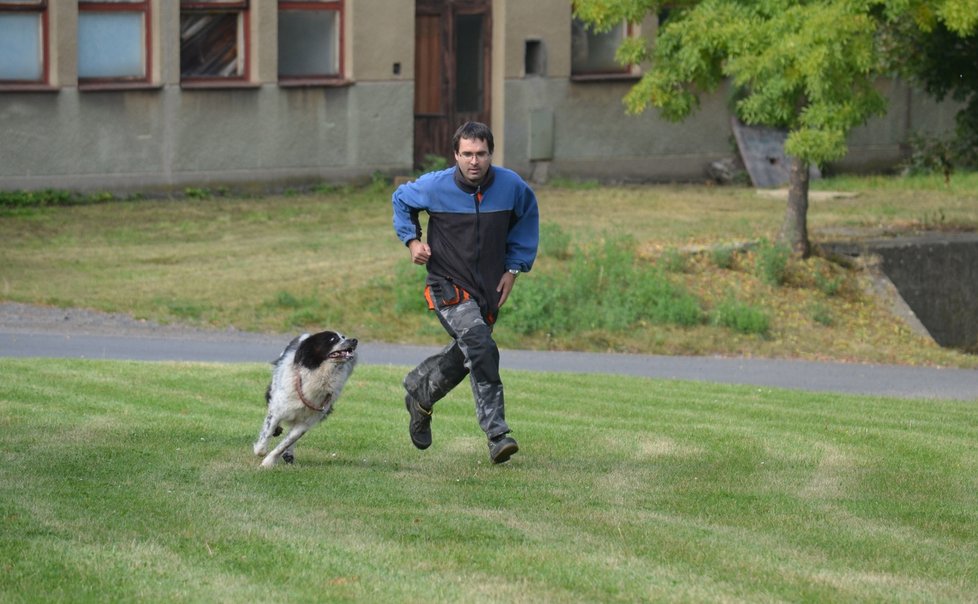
x=326, y=188
x=432, y=163
x=771, y=262
x=929, y=156
x=822, y=315
x=809, y=67
x=197, y=193
x=602, y=289
x=741, y=317
x=722, y=257
x=554, y=242
x=51, y=197
x=830, y=286
x=674, y=261
x=574, y=184
x=379, y=182
x=940, y=56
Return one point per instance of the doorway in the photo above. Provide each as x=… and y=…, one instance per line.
x=452, y=73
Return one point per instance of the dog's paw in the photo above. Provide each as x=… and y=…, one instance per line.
x=261, y=450
x=268, y=462
x=288, y=457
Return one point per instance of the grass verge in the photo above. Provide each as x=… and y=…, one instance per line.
x=135, y=482
x=328, y=259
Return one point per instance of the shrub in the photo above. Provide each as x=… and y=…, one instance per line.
x=829, y=286
x=772, y=262
x=822, y=315
x=722, y=257
x=604, y=289
x=741, y=317
x=51, y=197
x=432, y=163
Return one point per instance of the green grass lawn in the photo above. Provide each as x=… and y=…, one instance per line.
x=135, y=482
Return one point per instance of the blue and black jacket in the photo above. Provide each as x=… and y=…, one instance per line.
x=475, y=233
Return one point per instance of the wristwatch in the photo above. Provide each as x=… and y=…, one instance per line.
x=514, y=271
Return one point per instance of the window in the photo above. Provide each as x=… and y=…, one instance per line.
x=113, y=41
x=213, y=40
x=310, y=40
x=593, y=53
x=534, y=59
x=23, y=42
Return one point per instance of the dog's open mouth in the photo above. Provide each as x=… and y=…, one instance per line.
x=343, y=355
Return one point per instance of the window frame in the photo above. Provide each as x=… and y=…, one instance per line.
x=337, y=6
x=243, y=9
x=44, y=82
x=122, y=82
x=629, y=72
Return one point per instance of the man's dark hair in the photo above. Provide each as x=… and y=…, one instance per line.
x=473, y=131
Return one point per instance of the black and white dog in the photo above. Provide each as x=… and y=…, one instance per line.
x=307, y=379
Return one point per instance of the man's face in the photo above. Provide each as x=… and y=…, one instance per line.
x=473, y=159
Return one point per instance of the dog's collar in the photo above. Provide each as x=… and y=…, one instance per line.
x=297, y=382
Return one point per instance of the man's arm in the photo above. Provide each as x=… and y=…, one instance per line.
x=420, y=252
x=506, y=283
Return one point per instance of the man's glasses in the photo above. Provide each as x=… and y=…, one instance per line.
x=469, y=155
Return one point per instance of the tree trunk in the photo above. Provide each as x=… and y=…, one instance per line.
x=794, y=231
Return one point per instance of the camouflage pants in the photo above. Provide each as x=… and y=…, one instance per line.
x=472, y=352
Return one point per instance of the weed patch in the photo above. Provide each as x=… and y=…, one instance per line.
x=722, y=257
x=554, y=242
x=674, y=261
x=771, y=262
x=604, y=289
x=742, y=317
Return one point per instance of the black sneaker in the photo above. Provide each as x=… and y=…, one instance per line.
x=502, y=448
x=420, y=426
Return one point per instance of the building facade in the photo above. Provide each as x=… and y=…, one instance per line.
x=158, y=94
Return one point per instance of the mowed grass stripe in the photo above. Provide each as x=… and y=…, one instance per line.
x=135, y=481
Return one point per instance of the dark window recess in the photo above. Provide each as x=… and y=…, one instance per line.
x=209, y=45
x=469, y=62
x=535, y=58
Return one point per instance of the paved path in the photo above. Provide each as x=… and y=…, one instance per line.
x=152, y=344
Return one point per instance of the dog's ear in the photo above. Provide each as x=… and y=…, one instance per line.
x=294, y=344
x=315, y=349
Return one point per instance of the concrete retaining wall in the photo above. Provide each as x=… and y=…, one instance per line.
x=937, y=276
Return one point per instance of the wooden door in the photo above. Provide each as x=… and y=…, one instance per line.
x=452, y=72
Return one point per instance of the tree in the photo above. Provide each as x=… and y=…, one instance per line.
x=942, y=61
x=807, y=66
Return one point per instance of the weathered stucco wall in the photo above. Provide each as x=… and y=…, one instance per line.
x=177, y=138
x=168, y=135
x=594, y=138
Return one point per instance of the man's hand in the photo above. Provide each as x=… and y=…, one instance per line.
x=420, y=252
x=505, y=286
